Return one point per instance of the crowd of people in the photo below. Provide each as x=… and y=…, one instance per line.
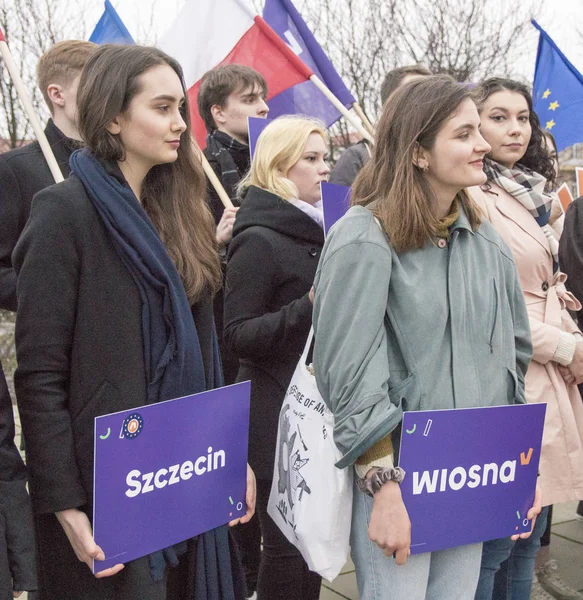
x=453, y=281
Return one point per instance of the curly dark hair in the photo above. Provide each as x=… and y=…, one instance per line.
x=537, y=157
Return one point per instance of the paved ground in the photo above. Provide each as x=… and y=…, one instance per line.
x=566, y=547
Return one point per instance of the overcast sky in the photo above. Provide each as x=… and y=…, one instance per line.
x=562, y=19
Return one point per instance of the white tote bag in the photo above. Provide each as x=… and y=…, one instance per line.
x=311, y=499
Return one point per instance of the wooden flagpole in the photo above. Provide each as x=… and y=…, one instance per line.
x=29, y=109
x=212, y=176
x=358, y=110
x=341, y=108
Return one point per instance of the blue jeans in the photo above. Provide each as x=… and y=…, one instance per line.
x=508, y=567
x=444, y=575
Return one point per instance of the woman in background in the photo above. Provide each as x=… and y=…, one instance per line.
x=516, y=199
x=272, y=260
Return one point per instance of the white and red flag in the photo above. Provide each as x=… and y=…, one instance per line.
x=209, y=33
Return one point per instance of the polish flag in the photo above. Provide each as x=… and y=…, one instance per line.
x=209, y=33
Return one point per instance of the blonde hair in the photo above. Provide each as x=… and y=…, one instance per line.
x=279, y=147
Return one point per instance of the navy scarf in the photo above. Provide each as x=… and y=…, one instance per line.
x=172, y=354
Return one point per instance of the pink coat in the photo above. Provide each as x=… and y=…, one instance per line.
x=561, y=465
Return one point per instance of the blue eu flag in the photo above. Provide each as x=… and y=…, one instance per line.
x=110, y=28
x=557, y=93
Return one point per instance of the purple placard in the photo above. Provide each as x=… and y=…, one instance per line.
x=153, y=484
x=335, y=202
x=255, y=125
x=440, y=449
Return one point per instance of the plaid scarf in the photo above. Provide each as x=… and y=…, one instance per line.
x=528, y=188
x=233, y=158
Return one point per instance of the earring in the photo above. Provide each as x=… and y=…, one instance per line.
x=425, y=168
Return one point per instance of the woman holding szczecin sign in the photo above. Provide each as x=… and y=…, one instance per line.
x=116, y=270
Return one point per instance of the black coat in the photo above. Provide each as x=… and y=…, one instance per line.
x=270, y=269
x=16, y=529
x=571, y=254
x=571, y=249
x=24, y=172
x=80, y=354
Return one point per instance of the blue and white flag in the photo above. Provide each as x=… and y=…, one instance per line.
x=304, y=98
x=557, y=93
x=110, y=28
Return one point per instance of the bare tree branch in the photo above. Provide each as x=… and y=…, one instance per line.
x=31, y=28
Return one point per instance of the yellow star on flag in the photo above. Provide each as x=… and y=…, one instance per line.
x=550, y=124
x=547, y=94
x=554, y=105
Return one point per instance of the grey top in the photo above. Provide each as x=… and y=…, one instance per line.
x=349, y=164
x=433, y=328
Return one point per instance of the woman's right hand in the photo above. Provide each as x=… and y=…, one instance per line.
x=78, y=530
x=390, y=527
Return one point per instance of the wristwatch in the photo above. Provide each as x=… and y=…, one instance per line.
x=371, y=485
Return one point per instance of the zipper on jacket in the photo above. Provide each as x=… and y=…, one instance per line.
x=495, y=315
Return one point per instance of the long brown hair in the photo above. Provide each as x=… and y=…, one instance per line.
x=403, y=199
x=173, y=194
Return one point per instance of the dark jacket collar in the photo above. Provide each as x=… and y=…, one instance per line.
x=264, y=209
x=61, y=145
x=112, y=168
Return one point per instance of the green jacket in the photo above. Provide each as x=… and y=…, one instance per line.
x=434, y=328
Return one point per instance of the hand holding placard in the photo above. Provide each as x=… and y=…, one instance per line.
x=532, y=514
x=390, y=527
x=250, y=499
x=78, y=530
